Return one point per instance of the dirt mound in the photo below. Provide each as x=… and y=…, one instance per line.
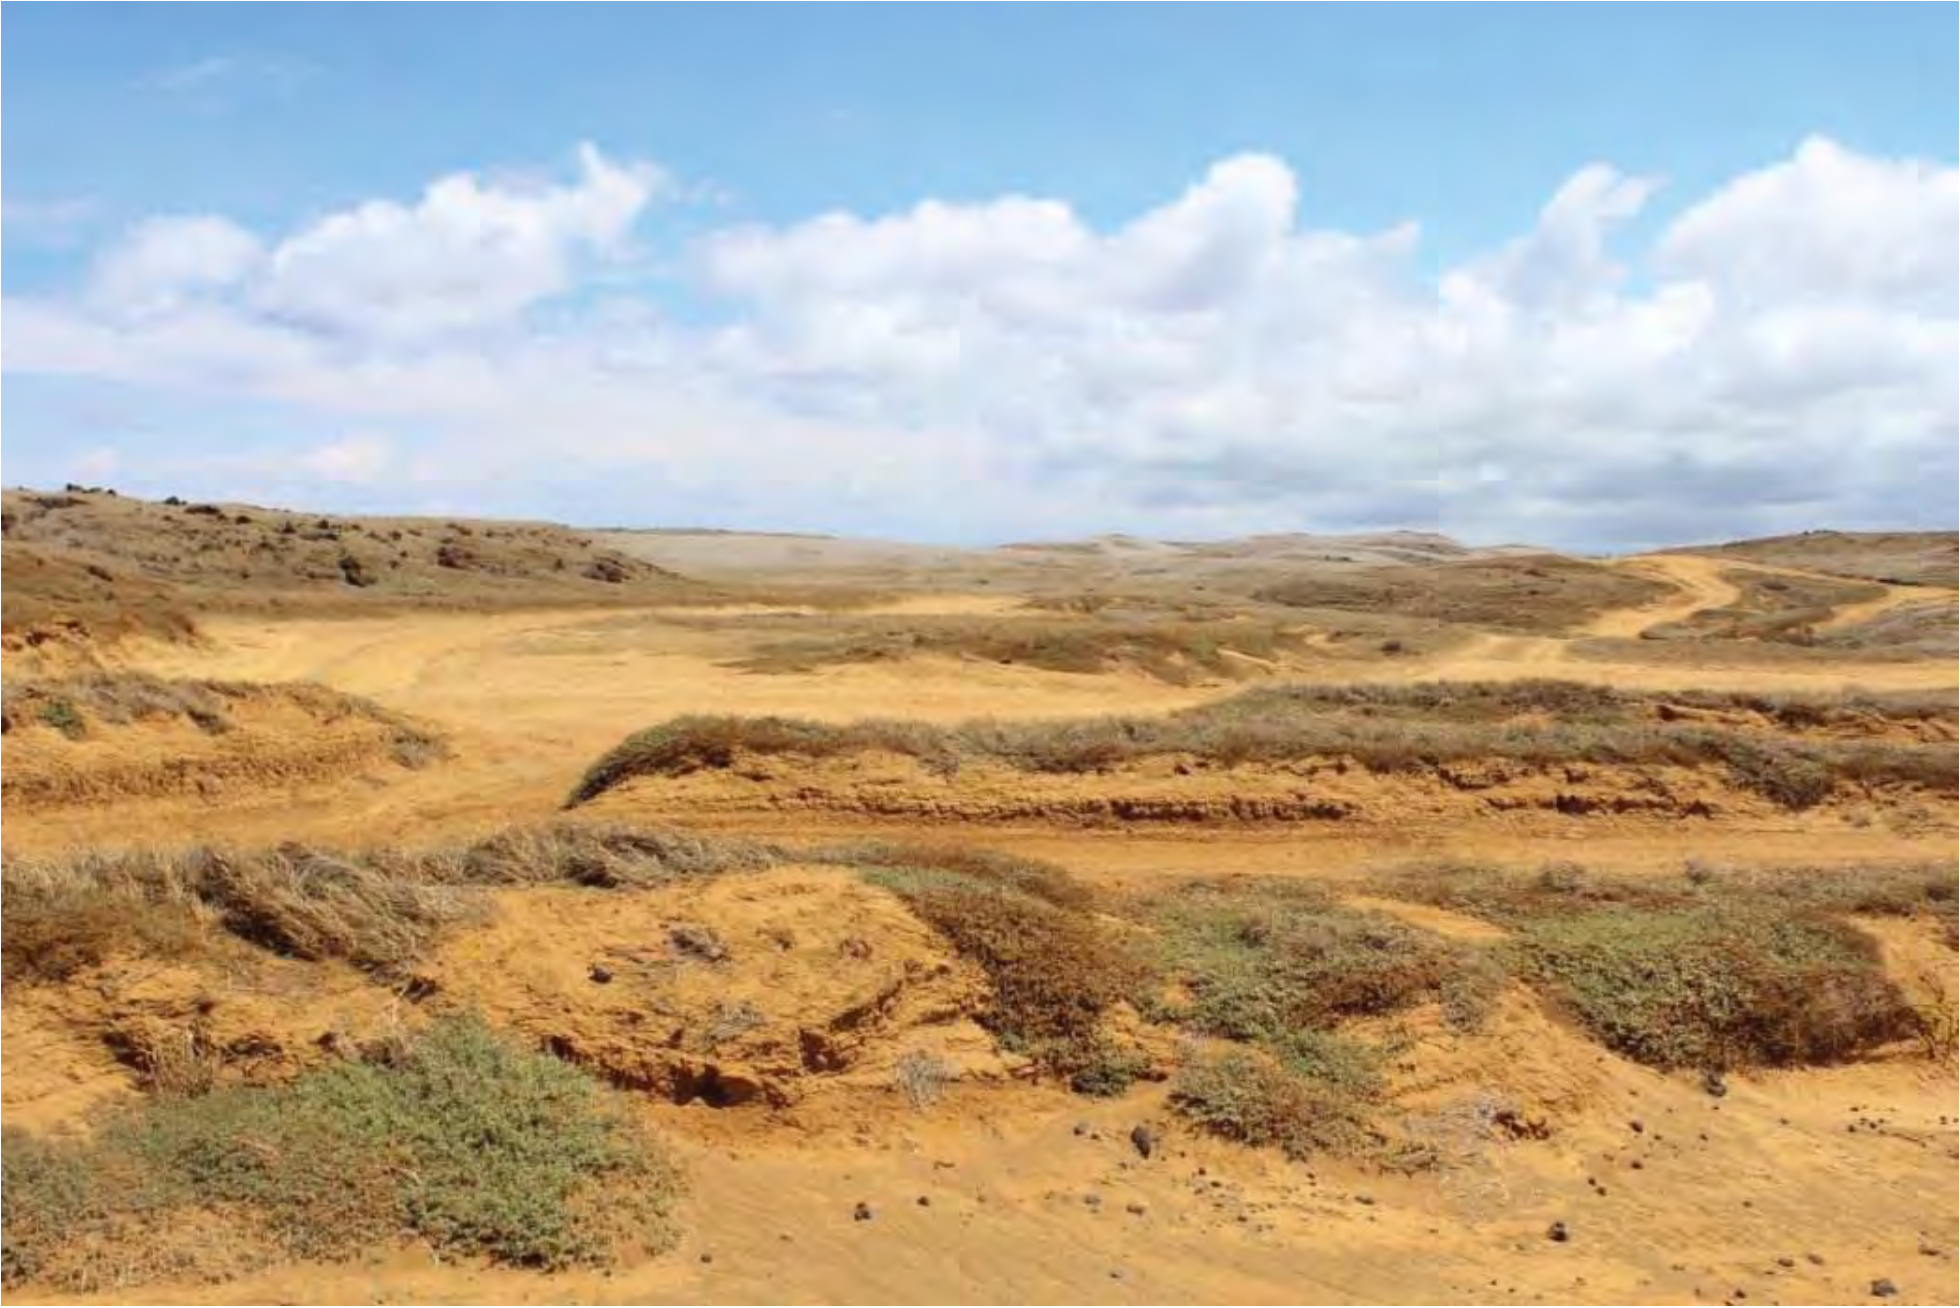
x=229, y=1017
x=101, y=737
x=746, y=988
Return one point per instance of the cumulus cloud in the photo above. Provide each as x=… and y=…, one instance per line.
x=1781, y=356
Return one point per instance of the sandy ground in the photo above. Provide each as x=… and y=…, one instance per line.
x=1010, y=1193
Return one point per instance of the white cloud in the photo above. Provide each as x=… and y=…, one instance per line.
x=1212, y=365
x=165, y=262
x=361, y=458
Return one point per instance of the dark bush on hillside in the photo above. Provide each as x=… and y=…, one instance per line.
x=1054, y=972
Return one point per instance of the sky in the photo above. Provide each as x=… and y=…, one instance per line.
x=1592, y=276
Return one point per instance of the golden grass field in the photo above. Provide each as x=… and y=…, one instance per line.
x=1290, y=920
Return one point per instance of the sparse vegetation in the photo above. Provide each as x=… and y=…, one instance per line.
x=1531, y=593
x=1277, y=966
x=1383, y=728
x=1171, y=649
x=1713, y=971
x=464, y=1141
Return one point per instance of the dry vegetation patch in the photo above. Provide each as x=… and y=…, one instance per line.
x=1765, y=743
x=98, y=735
x=1535, y=593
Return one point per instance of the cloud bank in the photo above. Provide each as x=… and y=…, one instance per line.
x=1781, y=354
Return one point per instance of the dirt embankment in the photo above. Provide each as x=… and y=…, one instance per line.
x=1188, y=791
x=102, y=738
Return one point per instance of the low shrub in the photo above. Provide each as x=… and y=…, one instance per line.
x=466, y=1142
x=1716, y=987
x=1054, y=972
x=1244, y=1095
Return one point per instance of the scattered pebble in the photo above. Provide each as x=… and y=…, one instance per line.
x=1557, y=1233
x=1082, y=1128
x=600, y=973
x=862, y=1213
x=1636, y=1126
x=707, y=1257
x=1136, y=1209
x=1883, y=1288
x=1366, y=1199
x=925, y=1201
x=1786, y=1262
x=1144, y=1138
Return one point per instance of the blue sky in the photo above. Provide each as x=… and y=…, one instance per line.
x=1184, y=269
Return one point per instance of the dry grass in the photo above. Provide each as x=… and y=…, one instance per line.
x=1383, y=728
x=1170, y=649
x=1537, y=593
x=1911, y=558
x=1770, y=607
x=379, y=909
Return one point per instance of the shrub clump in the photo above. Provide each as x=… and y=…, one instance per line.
x=464, y=1141
x=1277, y=966
x=1715, y=988
x=1247, y=1096
x=1054, y=972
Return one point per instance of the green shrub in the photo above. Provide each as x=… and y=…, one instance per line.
x=1244, y=1095
x=1263, y=960
x=465, y=1141
x=63, y=716
x=1714, y=987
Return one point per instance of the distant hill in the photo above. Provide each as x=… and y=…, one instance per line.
x=95, y=563
x=1909, y=558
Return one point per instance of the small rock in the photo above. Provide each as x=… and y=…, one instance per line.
x=1115, y=1273
x=1786, y=1262
x=1715, y=1084
x=707, y=1257
x=1636, y=1126
x=1929, y=1249
x=1815, y=1260
x=1136, y=1209
x=1557, y=1233
x=1082, y=1128
x=1092, y=1200
x=1883, y=1288
x=925, y=1201
x=862, y=1213
x=600, y=973
x=1144, y=1138
x=1366, y=1200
